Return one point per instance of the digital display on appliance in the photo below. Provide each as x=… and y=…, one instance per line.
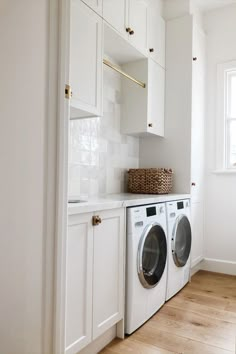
x=180, y=205
x=151, y=211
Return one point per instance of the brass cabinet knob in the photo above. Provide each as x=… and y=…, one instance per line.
x=194, y=58
x=151, y=50
x=150, y=125
x=130, y=31
x=193, y=184
x=96, y=220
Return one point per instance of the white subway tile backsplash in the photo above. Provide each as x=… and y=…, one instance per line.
x=99, y=155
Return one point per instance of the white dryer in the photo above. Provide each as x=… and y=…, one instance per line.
x=146, y=263
x=179, y=246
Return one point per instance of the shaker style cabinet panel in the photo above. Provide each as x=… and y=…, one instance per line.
x=143, y=108
x=78, y=327
x=156, y=99
x=156, y=37
x=94, y=276
x=198, y=116
x=138, y=24
x=108, y=271
x=197, y=233
x=96, y=5
x=85, y=61
x=115, y=13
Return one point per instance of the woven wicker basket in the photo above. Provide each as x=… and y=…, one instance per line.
x=150, y=180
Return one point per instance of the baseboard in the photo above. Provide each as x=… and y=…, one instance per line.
x=219, y=266
x=196, y=268
x=99, y=343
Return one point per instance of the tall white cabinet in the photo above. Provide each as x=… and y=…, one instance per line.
x=197, y=144
x=183, y=146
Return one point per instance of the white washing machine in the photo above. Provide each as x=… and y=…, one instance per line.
x=179, y=245
x=146, y=263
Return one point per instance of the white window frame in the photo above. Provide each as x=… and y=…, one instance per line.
x=222, y=131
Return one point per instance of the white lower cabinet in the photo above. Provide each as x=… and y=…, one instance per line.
x=94, y=276
x=197, y=233
x=108, y=271
x=79, y=278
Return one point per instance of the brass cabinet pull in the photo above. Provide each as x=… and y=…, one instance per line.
x=96, y=220
x=150, y=125
x=151, y=50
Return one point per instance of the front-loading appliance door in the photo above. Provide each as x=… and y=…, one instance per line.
x=181, y=241
x=152, y=255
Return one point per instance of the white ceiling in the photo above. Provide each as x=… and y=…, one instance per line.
x=206, y=5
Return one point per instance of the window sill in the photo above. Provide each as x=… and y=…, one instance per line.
x=224, y=172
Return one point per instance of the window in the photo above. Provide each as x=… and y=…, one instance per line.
x=226, y=127
x=230, y=118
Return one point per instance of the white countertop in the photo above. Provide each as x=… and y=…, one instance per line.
x=112, y=201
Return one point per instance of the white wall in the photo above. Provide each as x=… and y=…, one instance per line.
x=23, y=92
x=99, y=154
x=220, y=220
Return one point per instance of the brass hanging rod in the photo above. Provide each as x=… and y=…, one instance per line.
x=114, y=67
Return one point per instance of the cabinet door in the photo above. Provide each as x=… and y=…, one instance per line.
x=156, y=98
x=138, y=23
x=96, y=5
x=156, y=37
x=79, y=260
x=115, y=13
x=108, y=271
x=197, y=233
x=85, y=60
x=198, y=116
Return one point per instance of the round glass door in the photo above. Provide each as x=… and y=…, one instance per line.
x=181, y=241
x=152, y=253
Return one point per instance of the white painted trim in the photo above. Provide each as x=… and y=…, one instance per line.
x=221, y=139
x=195, y=268
x=62, y=179
x=101, y=342
x=50, y=151
x=197, y=261
x=224, y=172
x=219, y=266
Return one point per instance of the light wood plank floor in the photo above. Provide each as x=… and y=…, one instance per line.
x=201, y=319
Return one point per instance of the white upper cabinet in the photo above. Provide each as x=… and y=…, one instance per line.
x=96, y=5
x=143, y=108
x=130, y=19
x=115, y=13
x=156, y=99
x=137, y=24
x=86, y=51
x=156, y=37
